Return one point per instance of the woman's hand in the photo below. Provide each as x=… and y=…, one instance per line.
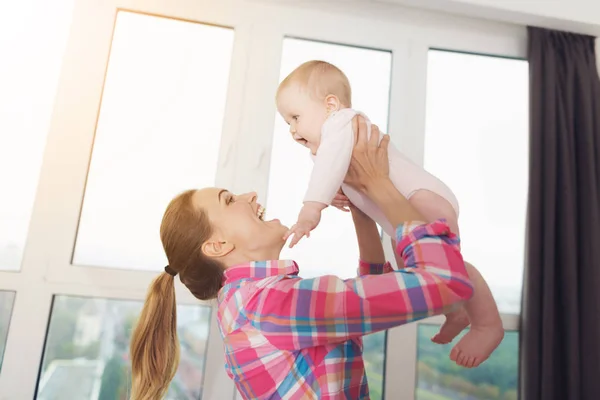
x=369, y=164
x=369, y=173
x=341, y=202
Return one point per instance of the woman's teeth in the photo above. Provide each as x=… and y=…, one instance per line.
x=261, y=213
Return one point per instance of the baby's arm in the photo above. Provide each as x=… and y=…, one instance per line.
x=308, y=219
x=331, y=165
x=332, y=159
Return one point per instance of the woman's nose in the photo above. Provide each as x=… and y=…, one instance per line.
x=250, y=197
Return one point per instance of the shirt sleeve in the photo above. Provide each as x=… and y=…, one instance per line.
x=332, y=159
x=295, y=313
x=365, y=268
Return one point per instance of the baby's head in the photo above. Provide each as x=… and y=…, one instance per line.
x=307, y=96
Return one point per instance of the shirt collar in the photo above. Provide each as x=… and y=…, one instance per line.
x=260, y=270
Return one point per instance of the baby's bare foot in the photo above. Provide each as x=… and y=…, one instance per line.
x=477, y=345
x=455, y=323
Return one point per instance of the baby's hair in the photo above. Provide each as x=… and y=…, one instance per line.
x=321, y=79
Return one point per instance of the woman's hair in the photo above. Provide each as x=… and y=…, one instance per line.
x=154, y=344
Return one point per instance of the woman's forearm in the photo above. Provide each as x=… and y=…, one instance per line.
x=392, y=203
x=369, y=240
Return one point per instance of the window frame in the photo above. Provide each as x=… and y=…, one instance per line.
x=244, y=156
x=403, y=340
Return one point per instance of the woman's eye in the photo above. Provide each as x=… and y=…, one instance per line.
x=295, y=117
x=229, y=200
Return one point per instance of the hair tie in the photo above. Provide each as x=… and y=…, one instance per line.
x=170, y=271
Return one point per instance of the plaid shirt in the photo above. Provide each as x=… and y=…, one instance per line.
x=291, y=338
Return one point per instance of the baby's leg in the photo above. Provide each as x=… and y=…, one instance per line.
x=486, y=331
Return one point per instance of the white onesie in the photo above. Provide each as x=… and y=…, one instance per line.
x=333, y=160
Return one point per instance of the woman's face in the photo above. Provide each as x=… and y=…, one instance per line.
x=239, y=226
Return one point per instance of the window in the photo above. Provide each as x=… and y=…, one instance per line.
x=87, y=349
x=158, y=133
x=477, y=142
x=6, y=304
x=374, y=353
x=28, y=81
x=163, y=93
x=441, y=379
x=327, y=250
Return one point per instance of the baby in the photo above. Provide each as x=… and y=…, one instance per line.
x=315, y=100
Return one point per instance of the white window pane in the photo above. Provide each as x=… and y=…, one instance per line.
x=331, y=248
x=6, y=305
x=33, y=36
x=440, y=378
x=158, y=133
x=87, y=349
x=374, y=352
x=477, y=142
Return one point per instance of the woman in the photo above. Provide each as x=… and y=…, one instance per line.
x=284, y=336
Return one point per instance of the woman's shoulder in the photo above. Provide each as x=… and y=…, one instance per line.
x=245, y=288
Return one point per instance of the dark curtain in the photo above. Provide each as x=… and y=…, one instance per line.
x=560, y=331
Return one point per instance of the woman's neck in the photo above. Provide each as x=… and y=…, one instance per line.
x=239, y=257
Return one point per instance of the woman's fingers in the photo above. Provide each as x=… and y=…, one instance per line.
x=369, y=156
x=374, y=139
x=355, y=128
x=362, y=132
x=340, y=197
x=385, y=141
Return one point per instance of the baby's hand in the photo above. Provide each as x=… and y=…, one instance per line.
x=309, y=218
x=299, y=230
x=341, y=202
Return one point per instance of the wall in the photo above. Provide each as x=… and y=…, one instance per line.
x=578, y=16
x=581, y=16
x=581, y=11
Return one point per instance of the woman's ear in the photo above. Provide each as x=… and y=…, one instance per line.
x=332, y=103
x=216, y=249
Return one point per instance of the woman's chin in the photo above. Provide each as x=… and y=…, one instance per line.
x=281, y=229
x=276, y=223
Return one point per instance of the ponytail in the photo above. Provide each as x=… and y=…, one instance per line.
x=154, y=344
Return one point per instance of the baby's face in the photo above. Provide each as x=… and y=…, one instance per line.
x=304, y=114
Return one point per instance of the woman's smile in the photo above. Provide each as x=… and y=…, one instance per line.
x=260, y=212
